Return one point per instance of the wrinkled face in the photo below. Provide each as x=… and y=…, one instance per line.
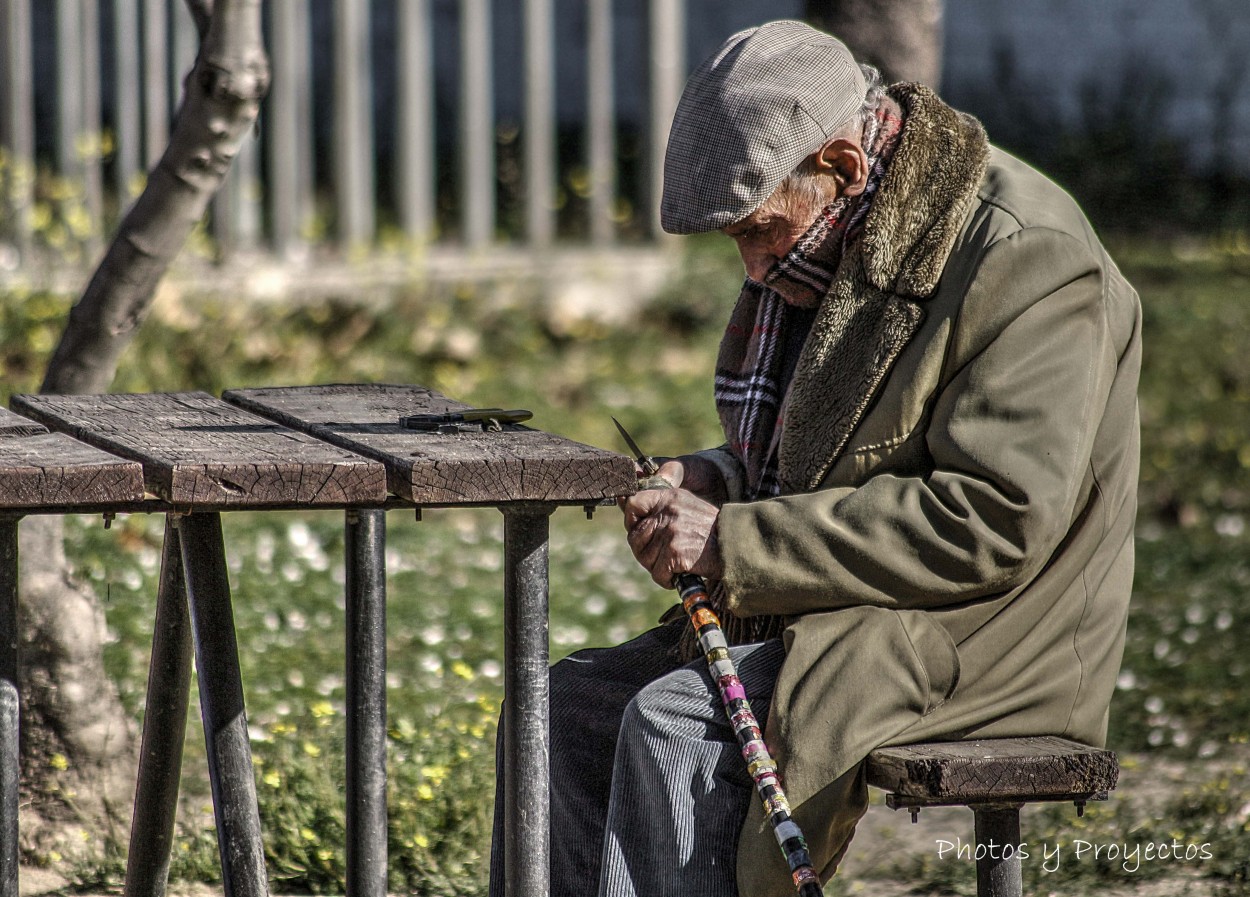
x=767, y=234
x=839, y=168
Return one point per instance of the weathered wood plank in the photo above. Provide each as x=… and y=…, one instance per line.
x=517, y=464
x=52, y=470
x=1034, y=768
x=200, y=452
x=15, y=425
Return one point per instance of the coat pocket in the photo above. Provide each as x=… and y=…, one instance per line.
x=935, y=652
x=853, y=679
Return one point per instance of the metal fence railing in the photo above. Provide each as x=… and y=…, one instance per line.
x=468, y=122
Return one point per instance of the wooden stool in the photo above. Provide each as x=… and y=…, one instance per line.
x=994, y=778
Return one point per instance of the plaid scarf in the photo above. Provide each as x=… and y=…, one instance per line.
x=762, y=344
x=765, y=335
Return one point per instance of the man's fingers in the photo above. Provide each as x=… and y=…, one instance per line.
x=648, y=540
x=669, y=531
x=641, y=536
x=642, y=505
x=672, y=470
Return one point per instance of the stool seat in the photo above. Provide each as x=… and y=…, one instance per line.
x=994, y=777
x=997, y=770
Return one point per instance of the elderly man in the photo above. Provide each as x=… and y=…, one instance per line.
x=921, y=524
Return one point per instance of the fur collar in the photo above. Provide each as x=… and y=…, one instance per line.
x=875, y=303
x=925, y=195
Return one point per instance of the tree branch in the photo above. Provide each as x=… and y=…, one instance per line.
x=202, y=12
x=219, y=109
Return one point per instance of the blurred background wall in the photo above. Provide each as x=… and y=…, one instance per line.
x=472, y=123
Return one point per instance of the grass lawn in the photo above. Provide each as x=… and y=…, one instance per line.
x=1181, y=716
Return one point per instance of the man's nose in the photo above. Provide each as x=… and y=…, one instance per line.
x=758, y=263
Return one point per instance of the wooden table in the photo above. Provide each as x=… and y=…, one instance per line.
x=191, y=456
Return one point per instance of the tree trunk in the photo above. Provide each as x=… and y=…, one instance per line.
x=902, y=38
x=77, y=743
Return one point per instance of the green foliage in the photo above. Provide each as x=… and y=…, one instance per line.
x=55, y=213
x=1181, y=701
x=1183, y=685
x=1195, y=379
x=30, y=325
x=1109, y=151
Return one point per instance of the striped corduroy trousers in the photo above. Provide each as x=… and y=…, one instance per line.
x=648, y=787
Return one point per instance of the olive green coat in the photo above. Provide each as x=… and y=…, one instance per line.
x=960, y=466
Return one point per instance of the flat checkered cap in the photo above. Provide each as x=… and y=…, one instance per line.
x=768, y=98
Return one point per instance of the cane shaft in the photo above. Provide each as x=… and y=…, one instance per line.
x=760, y=764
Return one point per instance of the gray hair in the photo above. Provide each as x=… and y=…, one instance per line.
x=801, y=188
x=862, y=125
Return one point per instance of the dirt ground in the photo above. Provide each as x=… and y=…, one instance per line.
x=884, y=838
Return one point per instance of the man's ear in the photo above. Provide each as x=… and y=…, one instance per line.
x=845, y=161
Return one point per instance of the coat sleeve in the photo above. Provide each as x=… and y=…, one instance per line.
x=1010, y=438
x=730, y=470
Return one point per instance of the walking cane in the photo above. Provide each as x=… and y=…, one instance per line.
x=760, y=764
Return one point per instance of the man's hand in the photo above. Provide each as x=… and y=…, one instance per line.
x=695, y=474
x=672, y=531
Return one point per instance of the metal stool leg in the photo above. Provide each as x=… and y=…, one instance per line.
x=10, y=708
x=164, y=731
x=527, y=738
x=998, y=862
x=366, y=704
x=221, y=705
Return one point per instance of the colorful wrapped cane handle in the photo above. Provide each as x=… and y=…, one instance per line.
x=760, y=764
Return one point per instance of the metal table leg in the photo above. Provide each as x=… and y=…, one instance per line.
x=10, y=707
x=164, y=731
x=221, y=705
x=366, y=703
x=527, y=737
x=998, y=875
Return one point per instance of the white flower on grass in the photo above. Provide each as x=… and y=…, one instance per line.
x=266, y=545
x=1230, y=525
x=569, y=635
x=149, y=559
x=489, y=559
x=298, y=534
